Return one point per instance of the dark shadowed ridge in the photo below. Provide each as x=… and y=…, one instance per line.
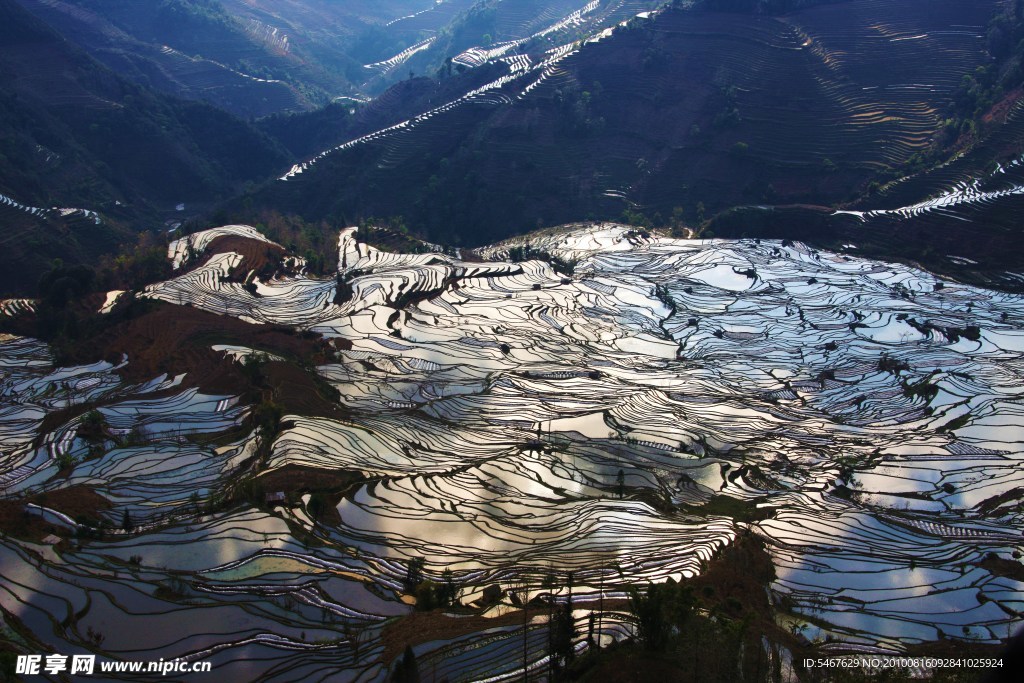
x=687, y=113
x=76, y=135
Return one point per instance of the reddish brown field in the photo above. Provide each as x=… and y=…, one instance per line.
x=423, y=627
x=74, y=501
x=174, y=339
x=256, y=255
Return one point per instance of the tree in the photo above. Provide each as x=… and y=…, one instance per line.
x=317, y=506
x=94, y=420
x=406, y=671
x=620, y=480
x=252, y=368
x=63, y=284
x=550, y=583
x=446, y=591
x=126, y=522
x=563, y=630
x=649, y=612
x=65, y=460
x=519, y=592
x=414, y=574
x=427, y=596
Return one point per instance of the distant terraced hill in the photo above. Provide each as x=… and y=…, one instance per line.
x=68, y=120
x=259, y=58
x=689, y=109
x=960, y=218
x=486, y=30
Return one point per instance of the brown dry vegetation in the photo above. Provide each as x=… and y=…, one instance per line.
x=256, y=255
x=174, y=339
x=301, y=391
x=423, y=627
x=74, y=501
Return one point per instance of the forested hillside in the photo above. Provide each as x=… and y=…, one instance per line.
x=76, y=135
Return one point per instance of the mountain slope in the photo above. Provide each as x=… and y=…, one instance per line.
x=689, y=109
x=178, y=49
x=73, y=134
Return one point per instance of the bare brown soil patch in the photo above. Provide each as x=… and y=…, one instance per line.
x=734, y=580
x=74, y=501
x=1001, y=109
x=300, y=478
x=625, y=664
x=1002, y=567
x=423, y=627
x=16, y=521
x=262, y=257
x=301, y=391
x=173, y=339
x=471, y=256
x=1016, y=494
x=329, y=485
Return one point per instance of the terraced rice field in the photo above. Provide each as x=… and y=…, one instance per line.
x=84, y=214
x=552, y=24
x=504, y=421
x=673, y=110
